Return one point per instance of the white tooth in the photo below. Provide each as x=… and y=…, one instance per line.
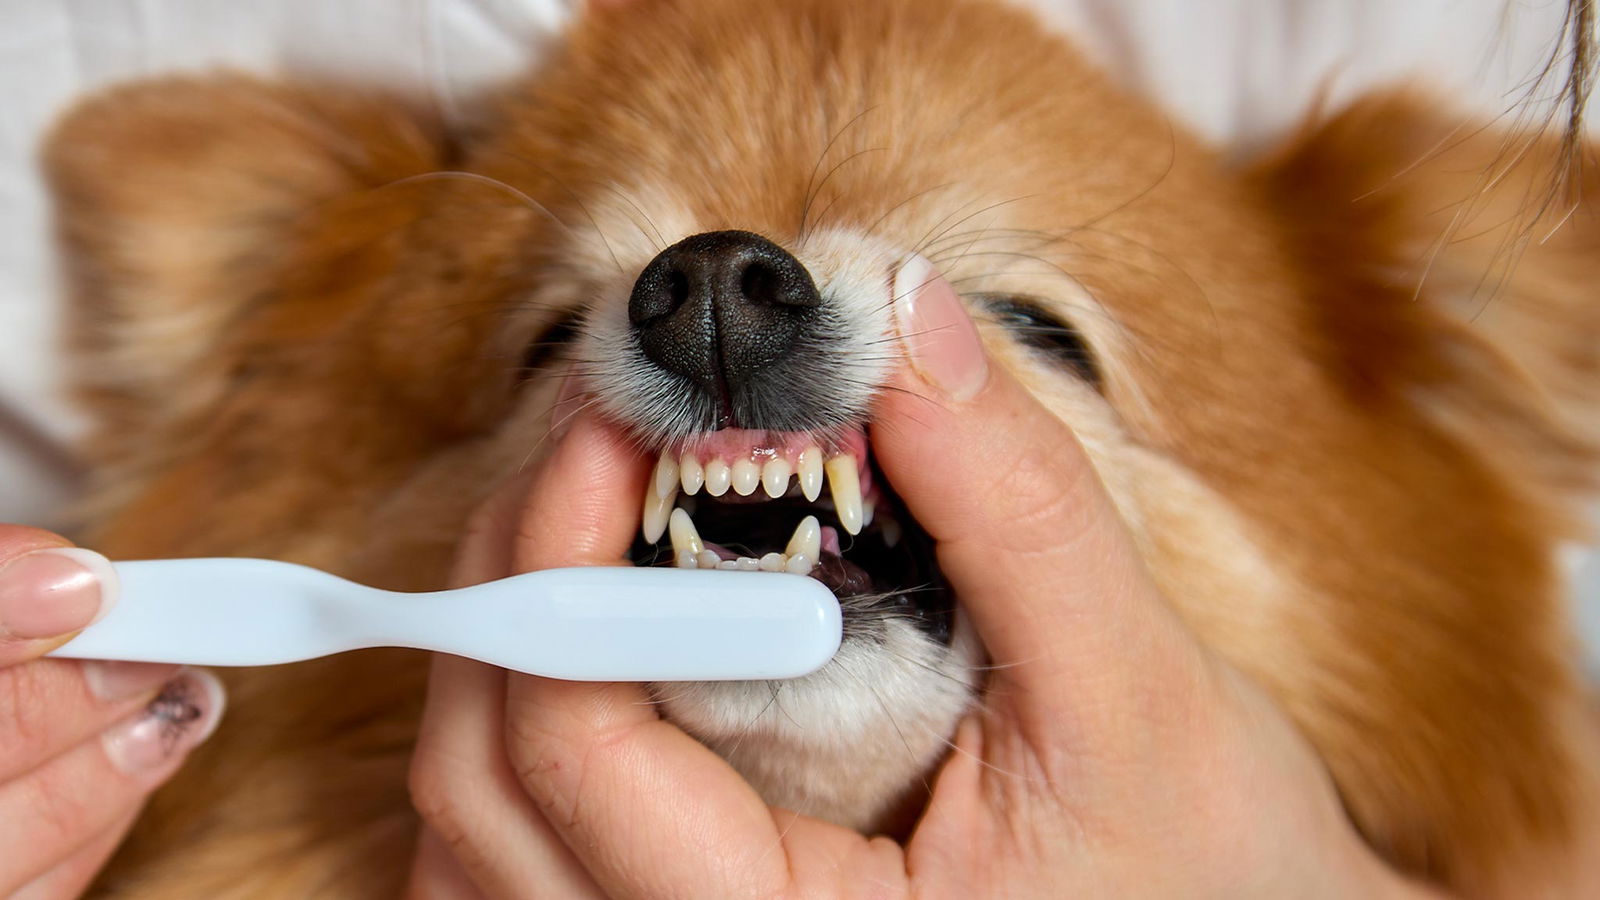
x=748, y=563
x=686, y=560
x=811, y=472
x=666, y=476
x=656, y=510
x=693, y=476
x=845, y=484
x=775, y=477
x=728, y=564
x=798, y=564
x=685, y=539
x=807, y=539
x=890, y=531
x=718, y=477
x=707, y=559
x=746, y=476
x=772, y=562
x=868, y=509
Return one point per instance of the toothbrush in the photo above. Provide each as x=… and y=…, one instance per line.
x=577, y=624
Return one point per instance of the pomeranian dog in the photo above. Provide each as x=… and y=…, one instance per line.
x=1349, y=436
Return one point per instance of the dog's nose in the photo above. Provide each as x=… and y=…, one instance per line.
x=718, y=308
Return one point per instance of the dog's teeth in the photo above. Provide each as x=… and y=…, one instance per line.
x=718, y=477
x=728, y=565
x=707, y=559
x=772, y=562
x=666, y=479
x=686, y=560
x=890, y=531
x=845, y=484
x=811, y=472
x=775, y=477
x=748, y=564
x=798, y=564
x=691, y=474
x=685, y=539
x=746, y=477
x=656, y=510
x=807, y=540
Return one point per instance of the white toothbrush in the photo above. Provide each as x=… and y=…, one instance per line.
x=578, y=624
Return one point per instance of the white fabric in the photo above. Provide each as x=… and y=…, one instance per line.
x=1240, y=72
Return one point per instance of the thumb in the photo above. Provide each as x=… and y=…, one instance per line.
x=1025, y=532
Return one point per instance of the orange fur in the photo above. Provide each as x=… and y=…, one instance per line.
x=1350, y=478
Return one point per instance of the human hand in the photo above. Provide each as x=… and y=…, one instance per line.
x=1112, y=755
x=81, y=743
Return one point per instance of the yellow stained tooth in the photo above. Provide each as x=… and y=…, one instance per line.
x=807, y=540
x=691, y=474
x=810, y=470
x=799, y=564
x=666, y=479
x=706, y=559
x=845, y=484
x=656, y=510
x=775, y=477
x=718, y=477
x=746, y=476
x=684, y=536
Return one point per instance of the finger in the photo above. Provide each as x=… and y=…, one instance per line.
x=49, y=590
x=1044, y=567
x=48, y=813
x=49, y=705
x=632, y=795
x=475, y=807
x=71, y=876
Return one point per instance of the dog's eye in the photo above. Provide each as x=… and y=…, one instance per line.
x=553, y=338
x=1039, y=329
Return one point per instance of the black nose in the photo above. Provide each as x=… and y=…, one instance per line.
x=720, y=309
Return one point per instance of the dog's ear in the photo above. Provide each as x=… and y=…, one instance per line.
x=180, y=206
x=1458, y=267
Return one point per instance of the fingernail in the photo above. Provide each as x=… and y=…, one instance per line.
x=176, y=721
x=940, y=339
x=48, y=593
x=111, y=681
x=568, y=405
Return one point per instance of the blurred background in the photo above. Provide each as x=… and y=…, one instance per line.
x=1240, y=72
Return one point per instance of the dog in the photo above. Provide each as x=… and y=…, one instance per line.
x=1348, y=435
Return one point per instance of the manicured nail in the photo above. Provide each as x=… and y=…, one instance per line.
x=176, y=721
x=112, y=681
x=939, y=337
x=569, y=403
x=56, y=591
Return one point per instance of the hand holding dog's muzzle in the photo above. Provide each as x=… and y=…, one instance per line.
x=1112, y=754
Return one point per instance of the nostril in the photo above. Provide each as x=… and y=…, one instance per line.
x=759, y=284
x=677, y=288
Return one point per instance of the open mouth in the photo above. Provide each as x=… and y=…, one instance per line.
x=766, y=501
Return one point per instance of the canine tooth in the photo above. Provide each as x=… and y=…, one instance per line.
x=868, y=510
x=656, y=510
x=666, y=479
x=775, y=477
x=686, y=559
x=691, y=474
x=890, y=530
x=707, y=559
x=748, y=563
x=846, y=487
x=811, y=472
x=798, y=564
x=772, y=562
x=685, y=539
x=728, y=564
x=746, y=476
x=718, y=477
x=807, y=540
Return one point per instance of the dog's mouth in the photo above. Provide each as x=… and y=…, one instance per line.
x=761, y=501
